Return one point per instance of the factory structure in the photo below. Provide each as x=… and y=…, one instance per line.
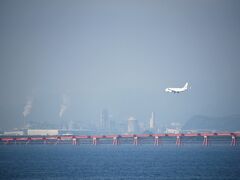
x=43, y=132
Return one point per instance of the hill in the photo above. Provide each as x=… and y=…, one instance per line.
x=227, y=123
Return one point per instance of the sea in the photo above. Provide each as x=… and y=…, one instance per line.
x=125, y=161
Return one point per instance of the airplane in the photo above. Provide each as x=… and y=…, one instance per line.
x=177, y=90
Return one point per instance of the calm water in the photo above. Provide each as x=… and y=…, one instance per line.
x=121, y=162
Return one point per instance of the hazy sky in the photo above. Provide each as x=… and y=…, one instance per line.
x=120, y=55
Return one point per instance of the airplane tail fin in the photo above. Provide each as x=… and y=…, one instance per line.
x=186, y=85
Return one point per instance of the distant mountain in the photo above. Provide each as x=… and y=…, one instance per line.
x=228, y=123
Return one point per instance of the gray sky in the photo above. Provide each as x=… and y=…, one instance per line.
x=118, y=55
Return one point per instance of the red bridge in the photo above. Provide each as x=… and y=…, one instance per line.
x=115, y=139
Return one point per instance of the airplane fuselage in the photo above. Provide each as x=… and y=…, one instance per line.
x=177, y=90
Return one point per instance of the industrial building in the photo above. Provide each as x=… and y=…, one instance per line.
x=42, y=132
x=13, y=133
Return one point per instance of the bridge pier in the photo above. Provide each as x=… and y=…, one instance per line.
x=135, y=140
x=205, y=141
x=28, y=140
x=156, y=141
x=95, y=140
x=58, y=140
x=115, y=140
x=44, y=140
x=234, y=141
x=178, y=141
x=74, y=141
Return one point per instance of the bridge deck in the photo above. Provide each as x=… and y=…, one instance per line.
x=75, y=139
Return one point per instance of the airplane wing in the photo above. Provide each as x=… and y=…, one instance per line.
x=173, y=90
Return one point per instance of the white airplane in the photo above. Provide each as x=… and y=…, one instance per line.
x=177, y=90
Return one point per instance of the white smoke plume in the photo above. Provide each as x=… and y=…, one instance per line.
x=28, y=107
x=63, y=106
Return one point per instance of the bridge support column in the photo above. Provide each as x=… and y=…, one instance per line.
x=44, y=140
x=58, y=140
x=74, y=141
x=156, y=141
x=205, y=141
x=178, y=141
x=135, y=140
x=94, y=142
x=234, y=141
x=28, y=140
x=115, y=141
